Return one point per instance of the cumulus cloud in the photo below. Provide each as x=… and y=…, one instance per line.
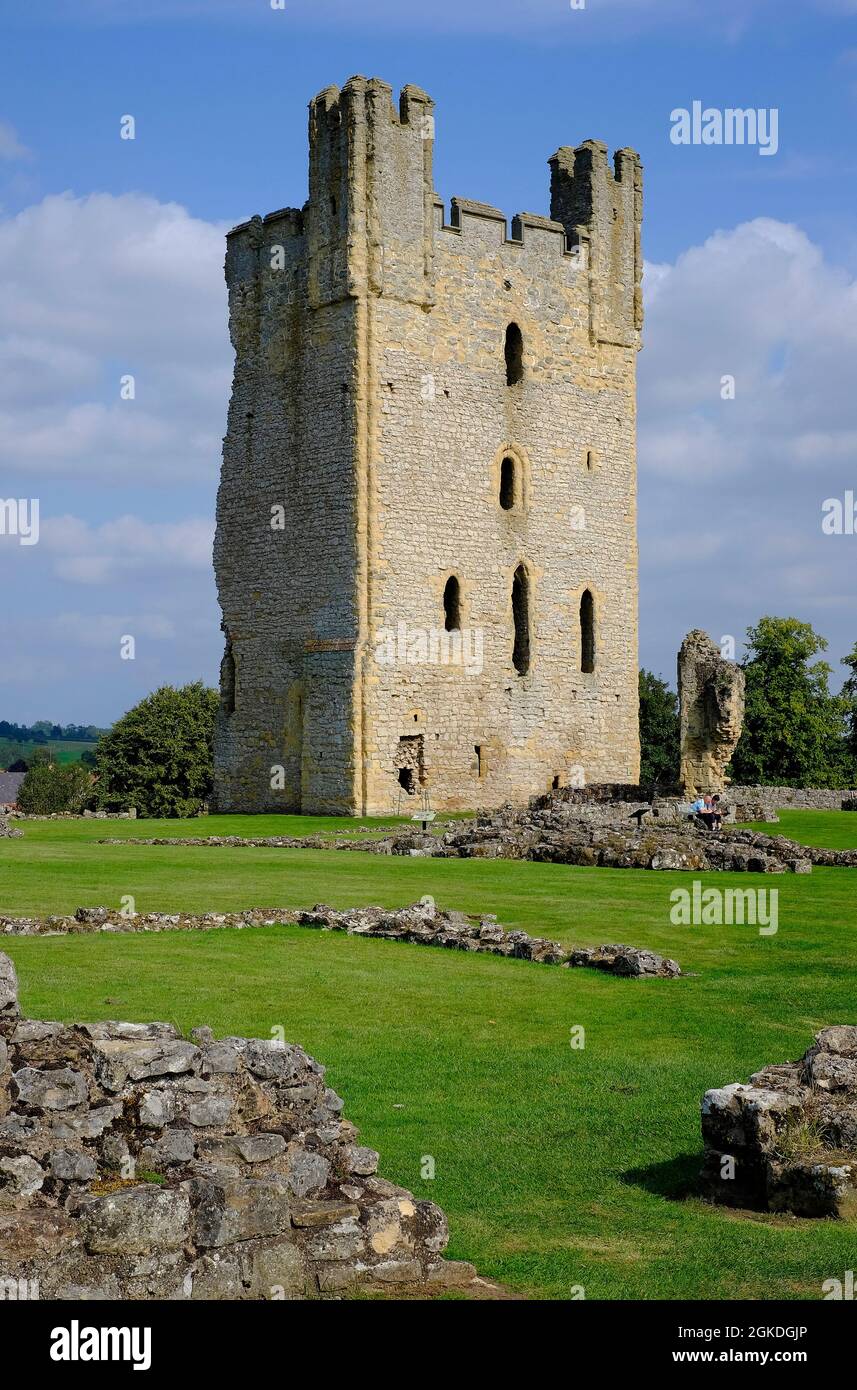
x=126, y=546
x=731, y=490
x=12, y=146
x=100, y=288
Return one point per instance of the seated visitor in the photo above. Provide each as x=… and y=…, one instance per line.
x=708, y=813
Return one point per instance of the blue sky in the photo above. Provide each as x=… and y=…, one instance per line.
x=111, y=255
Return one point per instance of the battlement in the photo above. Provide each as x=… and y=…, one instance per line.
x=336, y=103
x=463, y=211
x=373, y=218
x=605, y=207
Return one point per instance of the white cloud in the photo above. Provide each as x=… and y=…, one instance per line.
x=731, y=490
x=11, y=145
x=125, y=546
x=94, y=289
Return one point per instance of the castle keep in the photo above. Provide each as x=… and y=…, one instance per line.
x=426, y=525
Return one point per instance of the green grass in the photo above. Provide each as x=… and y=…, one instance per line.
x=64, y=751
x=825, y=829
x=557, y=1167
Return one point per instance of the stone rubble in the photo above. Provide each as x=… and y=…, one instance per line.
x=423, y=924
x=590, y=827
x=791, y=1133
x=136, y=1164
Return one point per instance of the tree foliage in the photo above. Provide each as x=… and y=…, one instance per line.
x=158, y=756
x=795, y=732
x=849, y=694
x=659, y=732
x=50, y=787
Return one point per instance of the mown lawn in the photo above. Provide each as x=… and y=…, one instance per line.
x=558, y=1167
x=828, y=829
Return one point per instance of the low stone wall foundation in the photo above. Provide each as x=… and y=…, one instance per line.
x=138, y=1164
x=423, y=924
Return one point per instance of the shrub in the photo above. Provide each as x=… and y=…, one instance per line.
x=158, y=756
x=48, y=787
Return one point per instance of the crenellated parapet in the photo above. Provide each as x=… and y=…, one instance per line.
x=603, y=208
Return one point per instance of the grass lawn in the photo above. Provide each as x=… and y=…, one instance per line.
x=826, y=829
x=557, y=1167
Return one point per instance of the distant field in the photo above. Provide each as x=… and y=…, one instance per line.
x=64, y=752
x=557, y=1167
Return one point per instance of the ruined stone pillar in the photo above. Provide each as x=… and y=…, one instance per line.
x=711, y=694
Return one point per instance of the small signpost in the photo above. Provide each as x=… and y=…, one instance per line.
x=425, y=815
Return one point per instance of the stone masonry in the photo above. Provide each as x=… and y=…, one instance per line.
x=426, y=549
x=787, y=1140
x=421, y=924
x=138, y=1164
x=711, y=695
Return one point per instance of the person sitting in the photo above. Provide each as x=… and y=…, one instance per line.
x=718, y=811
x=707, y=814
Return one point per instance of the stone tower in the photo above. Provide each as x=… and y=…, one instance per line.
x=426, y=526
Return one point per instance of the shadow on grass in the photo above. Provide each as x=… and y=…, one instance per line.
x=677, y=1178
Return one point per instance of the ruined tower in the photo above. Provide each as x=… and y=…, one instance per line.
x=426, y=525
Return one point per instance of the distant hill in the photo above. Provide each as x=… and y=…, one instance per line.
x=66, y=744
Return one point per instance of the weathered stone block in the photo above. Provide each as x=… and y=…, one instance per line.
x=136, y=1221
x=50, y=1090
x=122, y=1060
x=239, y=1211
x=71, y=1165
x=8, y=987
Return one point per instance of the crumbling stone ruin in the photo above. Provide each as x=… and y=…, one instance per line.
x=787, y=1140
x=137, y=1164
x=573, y=826
x=8, y=830
x=711, y=697
x=422, y=924
x=426, y=547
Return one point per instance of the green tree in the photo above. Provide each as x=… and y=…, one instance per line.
x=158, y=756
x=794, y=729
x=849, y=694
x=659, y=732
x=39, y=756
x=48, y=787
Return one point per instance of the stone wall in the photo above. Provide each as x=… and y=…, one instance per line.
x=371, y=403
x=137, y=1164
x=422, y=924
x=787, y=1140
x=749, y=802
